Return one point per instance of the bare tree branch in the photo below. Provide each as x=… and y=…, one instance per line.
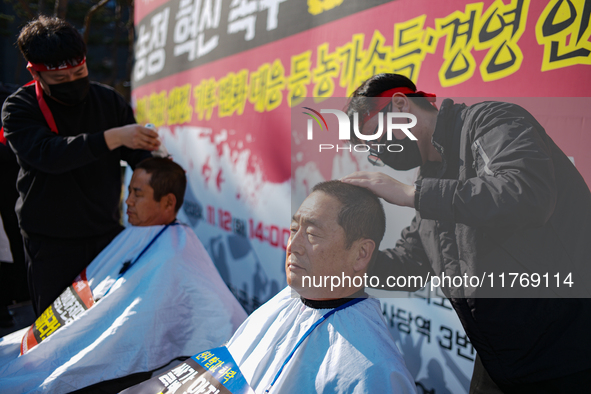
x=89, y=15
x=26, y=8
x=61, y=9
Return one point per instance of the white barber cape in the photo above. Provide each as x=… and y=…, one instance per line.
x=171, y=303
x=350, y=352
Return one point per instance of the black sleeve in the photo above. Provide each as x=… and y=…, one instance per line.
x=515, y=186
x=35, y=144
x=407, y=258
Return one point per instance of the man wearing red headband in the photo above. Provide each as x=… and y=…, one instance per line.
x=69, y=136
x=494, y=195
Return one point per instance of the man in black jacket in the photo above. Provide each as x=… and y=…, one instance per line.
x=494, y=195
x=69, y=136
x=13, y=277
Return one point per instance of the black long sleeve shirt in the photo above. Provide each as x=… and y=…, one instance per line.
x=69, y=183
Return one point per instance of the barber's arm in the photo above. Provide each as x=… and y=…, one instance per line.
x=129, y=134
x=515, y=185
x=35, y=144
x=132, y=136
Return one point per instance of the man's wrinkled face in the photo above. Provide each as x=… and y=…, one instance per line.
x=317, y=245
x=61, y=76
x=142, y=209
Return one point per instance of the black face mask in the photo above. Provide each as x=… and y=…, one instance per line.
x=408, y=158
x=70, y=93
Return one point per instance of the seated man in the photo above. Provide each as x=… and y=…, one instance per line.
x=156, y=296
x=334, y=233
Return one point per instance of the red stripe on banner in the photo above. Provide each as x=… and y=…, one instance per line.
x=29, y=341
x=82, y=288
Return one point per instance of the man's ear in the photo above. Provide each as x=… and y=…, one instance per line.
x=365, y=248
x=169, y=202
x=401, y=102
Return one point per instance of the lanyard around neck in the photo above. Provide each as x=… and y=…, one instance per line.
x=128, y=264
x=316, y=324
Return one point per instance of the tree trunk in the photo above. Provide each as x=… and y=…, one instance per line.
x=115, y=50
x=131, y=34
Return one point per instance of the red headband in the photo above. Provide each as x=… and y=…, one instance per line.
x=40, y=67
x=390, y=93
x=404, y=90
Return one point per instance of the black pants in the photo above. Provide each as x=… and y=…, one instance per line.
x=53, y=263
x=13, y=277
x=578, y=382
x=481, y=382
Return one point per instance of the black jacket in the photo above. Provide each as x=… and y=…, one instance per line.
x=505, y=199
x=69, y=183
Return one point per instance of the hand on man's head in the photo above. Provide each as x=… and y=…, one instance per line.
x=132, y=136
x=383, y=186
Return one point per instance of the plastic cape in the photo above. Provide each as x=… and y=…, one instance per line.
x=351, y=352
x=171, y=303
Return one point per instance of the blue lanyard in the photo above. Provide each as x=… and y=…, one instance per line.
x=128, y=264
x=316, y=324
